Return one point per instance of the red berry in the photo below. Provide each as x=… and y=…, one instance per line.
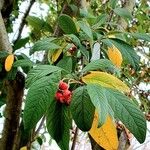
x=67, y=96
x=58, y=95
x=72, y=49
x=63, y=85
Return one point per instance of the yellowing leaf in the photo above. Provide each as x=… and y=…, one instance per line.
x=106, y=80
x=23, y=148
x=9, y=62
x=111, y=36
x=56, y=54
x=106, y=135
x=115, y=56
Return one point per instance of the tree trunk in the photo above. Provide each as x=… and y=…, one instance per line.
x=14, y=90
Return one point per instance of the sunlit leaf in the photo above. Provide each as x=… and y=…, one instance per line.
x=106, y=80
x=56, y=55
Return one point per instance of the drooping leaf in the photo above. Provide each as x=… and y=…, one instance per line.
x=86, y=29
x=44, y=45
x=39, y=72
x=128, y=53
x=58, y=121
x=82, y=109
x=9, y=62
x=23, y=148
x=106, y=135
x=106, y=80
x=115, y=56
x=67, y=24
x=101, y=64
x=126, y=111
x=123, y=12
x=39, y=97
x=98, y=98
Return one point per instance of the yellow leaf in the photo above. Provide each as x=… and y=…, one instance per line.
x=115, y=56
x=106, y=80
x=9, y=62
x=56, y=54
x=106, y=135
x=23, y=148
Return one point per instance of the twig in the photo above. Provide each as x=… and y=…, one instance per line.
x=74, y=139
x=24, y=21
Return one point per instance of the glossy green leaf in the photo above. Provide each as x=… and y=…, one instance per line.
x=58, y=122
x=67, y=24
x=99, y=100
x=127, y=51
x=126, y=111
x=39, y=72
x=82, y=109
x=100, y=64
x=123, y=12
x=39, y=97
x=44, y=45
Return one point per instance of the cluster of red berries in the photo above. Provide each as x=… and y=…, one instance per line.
x=63, y=95
x=72, y=49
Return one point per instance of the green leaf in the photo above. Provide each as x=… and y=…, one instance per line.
x=100, y=64
x=99, y=100
x=100, y=21
x=21, y=43
x=142, y=36
x=113, y=3
x=82, y=109
x=126, y=111
x=58, y=121
x=127, y=51
x=39, y=24
x=86, y=29
x=66, y=64
x=44, y=45
x=74, y=39
x=39, y=97
x=123, y=12
x=39, y=72
x=67, y=24
x=23, y=63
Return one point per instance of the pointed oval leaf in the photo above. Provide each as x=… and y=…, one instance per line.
x=9, y=62
x=128, y=113
x=115, y=56
x=39, y=98
x=39, y=72
x=82, y=109
x=56, y=55
x=106, y=80
x=58, y=122
x=98, y=98
x=67, y=24
x=106, y=135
